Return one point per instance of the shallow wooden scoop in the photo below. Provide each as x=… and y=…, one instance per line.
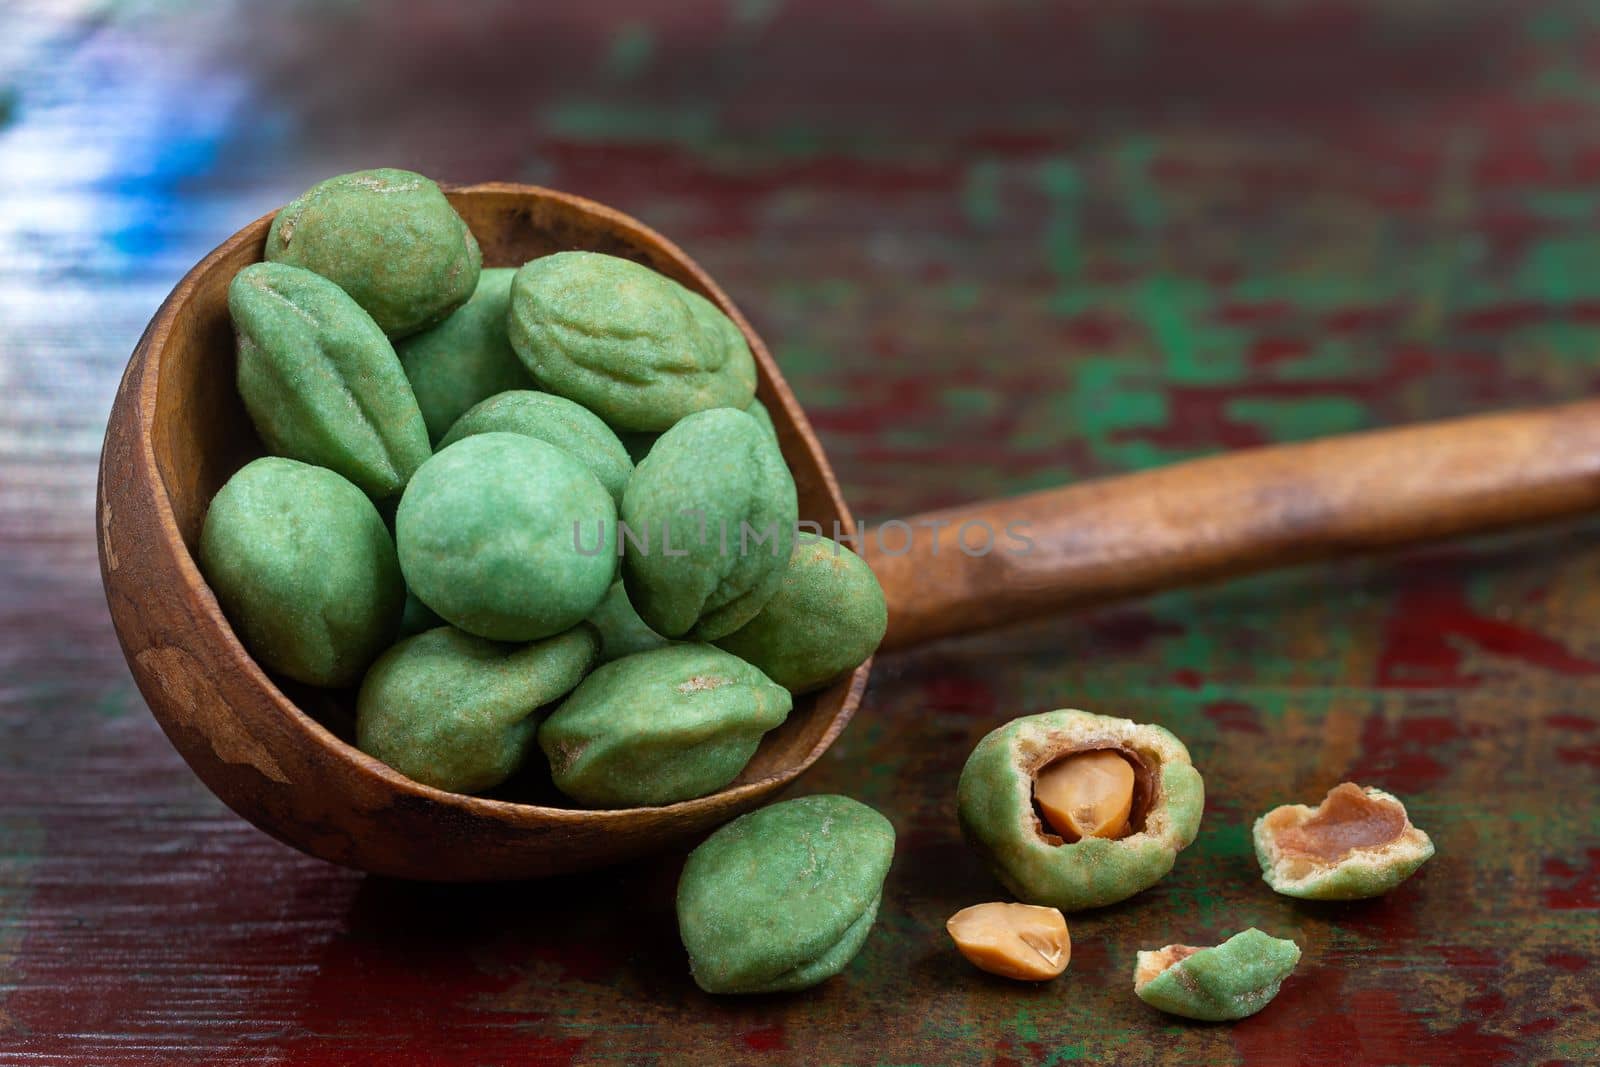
x=178, y=431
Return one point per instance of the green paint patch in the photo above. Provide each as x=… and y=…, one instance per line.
x=594, y=120
x=631, y=48
x=1562, y=269
x=966, y=400
x=980, y=194
x=1062, y=186
x=961, y=296
x=8, y=106
x=1196, y=352
x=1298, y=418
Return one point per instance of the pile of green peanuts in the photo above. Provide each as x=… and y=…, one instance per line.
x=536, y=518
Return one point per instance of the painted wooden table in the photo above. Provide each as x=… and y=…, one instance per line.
x=995, y=247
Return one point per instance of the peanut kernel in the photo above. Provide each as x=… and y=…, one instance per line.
x=1013, y=940
x=1089, y=794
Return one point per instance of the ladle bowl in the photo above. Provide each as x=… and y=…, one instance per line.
x=281, y=756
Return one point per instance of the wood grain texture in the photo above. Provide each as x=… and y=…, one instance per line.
x=996, y=251
x=996, y=562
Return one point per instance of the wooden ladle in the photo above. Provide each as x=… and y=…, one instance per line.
x=177, y=431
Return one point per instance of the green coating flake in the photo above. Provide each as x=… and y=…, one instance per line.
x=554, y=420
x=994, y=801
x=387, y=237
x=465, y=359
x=827, y=616
x=507, y=537
x=622, y=632
x=784, y=897
x=631, y=345
x=710, y=514
x=1233, y=980
x=304, y=569
x=321, y=382
x=457, y=712
x=660, y=726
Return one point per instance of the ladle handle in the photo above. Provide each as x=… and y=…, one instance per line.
x=1231, y=514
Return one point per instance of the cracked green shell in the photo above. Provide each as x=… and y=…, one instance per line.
x=1360, y=867
x=320, y=380
x=507, y=537
x=465, y=359
x=1233, y=980
x=783, y=898
x=554, y=420
x=631, y=345
x=994, y=801
x=387, y=237
x=660, y=726
x=304, y=568
x=709, y=519
x=827, y=616
x=457, y=712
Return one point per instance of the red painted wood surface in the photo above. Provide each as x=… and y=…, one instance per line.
x=995, y=248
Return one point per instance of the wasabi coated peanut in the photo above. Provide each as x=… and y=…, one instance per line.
x=631, y=345
x=784, y=897
x=320, y=380
x=827, y=616
x=1233, y=980
x=507, y=537
x=456, y=712
x=465, y=359
x=710, y=513
x=387, y=237
x=304, y=569
x=1358, y=843
x=622, y=632
x=1047, y=863
x=661, y=726
x=638, y=444
x=554, y=420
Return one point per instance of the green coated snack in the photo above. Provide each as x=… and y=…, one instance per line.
x=1233, y=980
x=1358, y=843
x=320, y=380
x=638, y=445
x=827, y=616
x=457, y=712
x=387, y=237
x=507, y=537
x=995, y=801
x=784, y=897
x=465, y=359
x=661, y=726
x=304, y=569
x=710, y=514
x=631, y=345
x=622, y=632
x=758, y=411
x=554, y=420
